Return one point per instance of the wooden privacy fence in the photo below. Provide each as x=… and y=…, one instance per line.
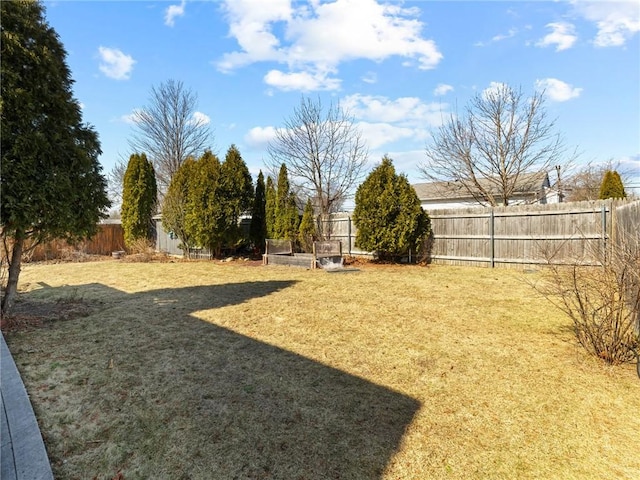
x=109, y=238
x=530, y=234
x=517, y=235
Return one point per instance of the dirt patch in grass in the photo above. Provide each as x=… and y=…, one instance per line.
x=214, y=370
x=28, y=314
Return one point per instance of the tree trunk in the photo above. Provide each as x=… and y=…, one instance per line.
x=14, y=273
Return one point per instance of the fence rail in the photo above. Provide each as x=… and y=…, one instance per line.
x=516, y=235
x=108, y=238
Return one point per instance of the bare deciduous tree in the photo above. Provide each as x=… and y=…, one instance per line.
x=324, y=152
x=585, y=182
x=501, y=136
x=169, y=130
x=115, y=181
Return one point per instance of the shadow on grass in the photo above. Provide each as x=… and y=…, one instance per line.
x=196, y=400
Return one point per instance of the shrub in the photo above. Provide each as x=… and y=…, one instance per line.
x=612, y=186
x=388, y=215
x=602, y=301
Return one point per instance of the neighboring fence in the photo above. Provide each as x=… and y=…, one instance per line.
x=515, y=235
x=529, y=234
x=340, y=226
x=626, y=228
x=109, y=238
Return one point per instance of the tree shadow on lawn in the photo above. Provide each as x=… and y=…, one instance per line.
x=202, y=401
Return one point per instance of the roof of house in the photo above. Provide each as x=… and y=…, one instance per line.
x=527, y=183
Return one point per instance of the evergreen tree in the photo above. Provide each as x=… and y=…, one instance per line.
x=139, y=195
x=270, y=209
x=175, y=205
x=258, y=227
x=307, y=232
x=612, y=186
x=388, y=215
x=286, y=210
x=51, y=180
x=205, y=216
x=236, y=194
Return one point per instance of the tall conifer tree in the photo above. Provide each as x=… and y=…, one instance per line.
x=205, y=216
x=307, y=232
x=286, y=211
x=176, y=203
x=388, y=214
x=236, y=194
x=612, y=186
x=258, y=228
x=51, y=181
x=270, y=209
x=139, y=196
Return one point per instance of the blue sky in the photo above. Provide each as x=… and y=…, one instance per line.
x=398, y=67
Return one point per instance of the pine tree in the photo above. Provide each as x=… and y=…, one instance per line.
x=270, y=209
x=139, y=195
x=388, y=215
x=286, y=210
x=236, y=194
x=175, y=205
x=258, y=227
x=612, y=186
x=51, y=180
x=307, y=232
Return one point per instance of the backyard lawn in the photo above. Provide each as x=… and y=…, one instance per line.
x=206, y=370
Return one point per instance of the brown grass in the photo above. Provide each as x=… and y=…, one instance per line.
x=209, y=370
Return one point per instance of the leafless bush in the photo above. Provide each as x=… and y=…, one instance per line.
x=143, y=250
x=602, y=301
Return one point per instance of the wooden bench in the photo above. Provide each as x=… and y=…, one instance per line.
x=328, y=254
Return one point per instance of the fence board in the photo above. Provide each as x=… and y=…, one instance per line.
x=516, y=235
x=109, y=238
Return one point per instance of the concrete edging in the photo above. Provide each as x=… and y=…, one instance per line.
x=23, y=455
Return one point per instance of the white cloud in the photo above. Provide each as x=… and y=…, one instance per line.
x=384, y=121
x=442, y=89
x=370, y=77
x=200, y=118
x=378, y=134
x=617, y=21
x=503, y=36
x=318, y=37
x=406, y=162
x=302, y=81
x=172, y=12
x=405, y=111
x=498, y=38
x=259, y=137
x=562, y=36
x=557, y=90
x=131, y=118
x=115, y=64
x=494, y=88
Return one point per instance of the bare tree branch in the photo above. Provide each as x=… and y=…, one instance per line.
x=168, y=131
x=584, y=184
x=501, y=136
x=325, y=153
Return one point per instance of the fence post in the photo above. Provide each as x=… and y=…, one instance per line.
x=603, y=226
x=492, y=238
x=349, y=233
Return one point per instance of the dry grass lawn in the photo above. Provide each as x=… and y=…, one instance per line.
x=226, y=371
